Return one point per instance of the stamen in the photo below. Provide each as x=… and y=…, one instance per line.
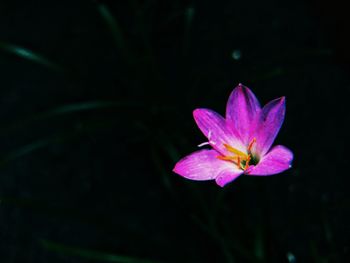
x=235, y=151
x=251, y=144
x=226, y=158
x=239, y=162
x=247, y=163
x=239, y=156
x=233, y=159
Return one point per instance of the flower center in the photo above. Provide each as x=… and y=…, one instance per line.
x=241, y=159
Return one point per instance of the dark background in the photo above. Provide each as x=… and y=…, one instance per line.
x=96, y=108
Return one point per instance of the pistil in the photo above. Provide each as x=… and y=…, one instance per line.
x=250, y=145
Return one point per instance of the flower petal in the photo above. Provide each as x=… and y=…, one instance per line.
x=204, y=165
x=214, y=127
x=242, y=110
x=276, y=161
x=270, y=122
x=227, y=176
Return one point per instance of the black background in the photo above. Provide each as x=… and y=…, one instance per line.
x=96, y=108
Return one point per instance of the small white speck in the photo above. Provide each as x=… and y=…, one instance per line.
x=236, y=54
x=291, y=258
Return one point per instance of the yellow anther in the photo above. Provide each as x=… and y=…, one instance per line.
x=235, y=151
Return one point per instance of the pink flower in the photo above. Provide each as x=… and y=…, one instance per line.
x=240, y=142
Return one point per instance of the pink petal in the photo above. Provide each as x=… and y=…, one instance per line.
x=276, y=161
x=214, y=127
x=204, y=165
x=270, y=122
x=242, y=111
x=227, y=176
